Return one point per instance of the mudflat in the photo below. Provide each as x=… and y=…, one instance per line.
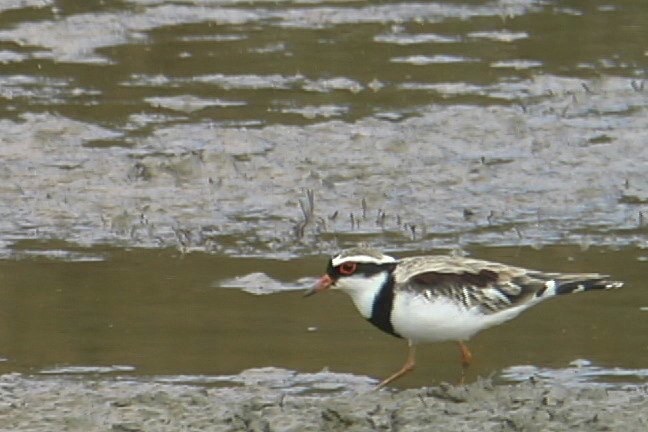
x=279, y=400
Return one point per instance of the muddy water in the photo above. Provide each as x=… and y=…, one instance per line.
x=163, y=162
x=158, y=313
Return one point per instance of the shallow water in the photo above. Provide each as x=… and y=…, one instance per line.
x=162, y=162
x=157, y=313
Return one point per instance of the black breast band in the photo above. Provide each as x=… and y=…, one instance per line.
x=382, y=307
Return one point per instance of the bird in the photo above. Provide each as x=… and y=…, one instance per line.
x=434, y=298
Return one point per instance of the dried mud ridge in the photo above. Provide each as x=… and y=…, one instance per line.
x=108, y=404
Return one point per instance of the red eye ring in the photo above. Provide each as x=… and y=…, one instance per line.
x=348, y=268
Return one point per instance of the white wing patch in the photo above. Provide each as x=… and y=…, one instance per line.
x=495, y=295
x=550, y=289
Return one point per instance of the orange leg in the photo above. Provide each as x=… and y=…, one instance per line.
x=466, y=359
x=407, y=367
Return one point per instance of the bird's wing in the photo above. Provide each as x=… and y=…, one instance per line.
x=490, y=287
x=485, y=290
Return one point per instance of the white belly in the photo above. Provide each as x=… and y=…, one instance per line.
x=421, y=320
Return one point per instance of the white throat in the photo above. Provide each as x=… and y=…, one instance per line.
x=363, y=290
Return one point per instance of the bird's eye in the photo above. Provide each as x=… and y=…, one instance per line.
x=348, y=268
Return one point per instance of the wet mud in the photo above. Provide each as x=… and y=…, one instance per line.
x=449, y=177
x=203, y=127
x=279, y=400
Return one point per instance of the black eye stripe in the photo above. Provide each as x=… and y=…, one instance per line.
x=366, y=269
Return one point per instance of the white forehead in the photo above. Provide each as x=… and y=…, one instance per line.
x=382, y=259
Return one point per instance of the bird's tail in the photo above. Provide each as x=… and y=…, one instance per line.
x=558, y=284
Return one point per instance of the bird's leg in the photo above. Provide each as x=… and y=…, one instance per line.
x=466, y=359
x=407, y=367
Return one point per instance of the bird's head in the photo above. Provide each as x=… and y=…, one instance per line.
x=355, y=270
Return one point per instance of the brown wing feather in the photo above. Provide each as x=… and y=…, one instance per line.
x=488, y=290
x=437, y=279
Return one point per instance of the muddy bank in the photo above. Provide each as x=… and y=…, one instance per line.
x=279, y=400
x=201, y=125
x=432, y=181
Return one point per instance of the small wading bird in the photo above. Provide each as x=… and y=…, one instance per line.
x=438, y=297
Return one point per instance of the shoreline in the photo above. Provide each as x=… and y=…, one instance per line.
x=277, y=400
